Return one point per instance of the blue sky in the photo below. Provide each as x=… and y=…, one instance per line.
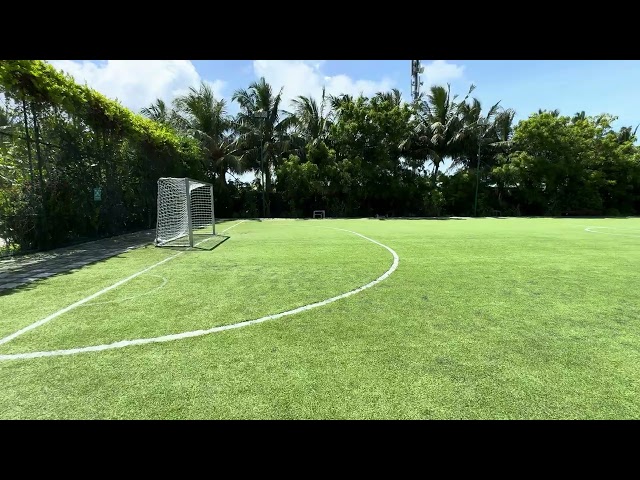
x=595, y=86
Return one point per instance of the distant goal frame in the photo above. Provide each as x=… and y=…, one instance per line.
x=319, y=212
x=185, y=211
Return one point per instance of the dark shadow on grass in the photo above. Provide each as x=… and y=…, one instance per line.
x=83, y=243
x=70, y=268
x=67, y=260
x=209, y=242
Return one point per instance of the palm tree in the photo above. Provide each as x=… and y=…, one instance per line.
x=159, y=112
x=200, y=115
x=311, y=118
x=464, y=152
x=394, y=97
x=477, y=130
x=338, y=102
x=263, y=139
x=627, y=135
x=481, y=128
x=439, y=126
x=503, y=125
x=578, y=116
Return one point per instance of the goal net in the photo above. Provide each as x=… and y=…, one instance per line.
x=185, y=212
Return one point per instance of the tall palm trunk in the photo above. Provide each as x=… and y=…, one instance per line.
x=267, y=186
x=264, y=129
x=436, y=163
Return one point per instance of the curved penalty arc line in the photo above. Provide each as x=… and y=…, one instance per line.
x=198, y=333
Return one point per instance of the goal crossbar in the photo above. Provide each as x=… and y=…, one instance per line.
x=185, y=209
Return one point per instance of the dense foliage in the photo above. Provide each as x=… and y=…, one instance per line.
x=60, y=141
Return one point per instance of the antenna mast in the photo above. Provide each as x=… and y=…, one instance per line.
x=416, y=70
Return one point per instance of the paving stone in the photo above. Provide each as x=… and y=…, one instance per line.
x=11, y=280
x=44, y=274
x=18, y=270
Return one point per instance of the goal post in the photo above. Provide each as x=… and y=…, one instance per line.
x=185, y=211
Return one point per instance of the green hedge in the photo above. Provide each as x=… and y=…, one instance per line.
x=133, y=152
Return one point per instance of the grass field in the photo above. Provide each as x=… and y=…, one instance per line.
x=483, y=318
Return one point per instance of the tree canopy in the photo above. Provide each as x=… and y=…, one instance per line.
x=350, y=156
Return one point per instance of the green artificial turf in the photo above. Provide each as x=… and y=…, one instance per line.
x=484, y=318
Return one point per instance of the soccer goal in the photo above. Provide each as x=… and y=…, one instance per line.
x=185, y=211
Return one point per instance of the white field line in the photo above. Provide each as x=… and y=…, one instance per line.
x=197, y=333
x=120, y=300
x=39, y=323
x=589, y=229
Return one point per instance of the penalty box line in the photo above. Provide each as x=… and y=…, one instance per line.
x=39, y=323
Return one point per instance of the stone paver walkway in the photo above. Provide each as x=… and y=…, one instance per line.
x=24, y=269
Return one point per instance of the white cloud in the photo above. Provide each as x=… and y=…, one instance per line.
x=439, y=72
x=304, y=77
x=137, y=83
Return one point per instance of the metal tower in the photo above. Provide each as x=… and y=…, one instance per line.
x=416, y=70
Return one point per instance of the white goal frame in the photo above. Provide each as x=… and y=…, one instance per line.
x=185, y=208
x=320, y=214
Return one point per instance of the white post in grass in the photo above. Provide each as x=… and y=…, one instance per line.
x=189, y=222
x=213, y=215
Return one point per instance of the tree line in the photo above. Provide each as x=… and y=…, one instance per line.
x=349, y=156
